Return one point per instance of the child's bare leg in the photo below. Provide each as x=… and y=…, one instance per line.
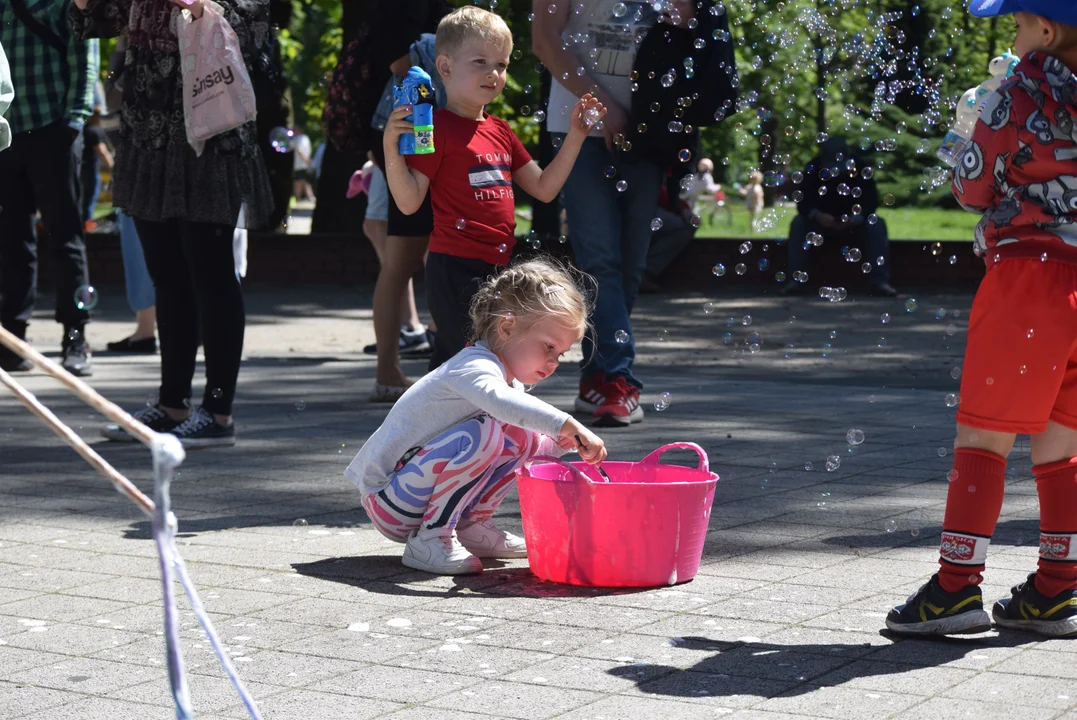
x=973, y=504
x=1054, y=464
x=401, y=258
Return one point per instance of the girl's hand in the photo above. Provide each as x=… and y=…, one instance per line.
x=587, y=113
x=396, y=127
x=195, y=6
x=590, y=446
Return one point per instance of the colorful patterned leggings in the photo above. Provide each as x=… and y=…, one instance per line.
x=463, y=473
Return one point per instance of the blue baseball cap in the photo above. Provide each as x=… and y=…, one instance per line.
x=1061, y=11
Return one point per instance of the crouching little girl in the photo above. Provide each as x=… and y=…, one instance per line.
x=434, y=473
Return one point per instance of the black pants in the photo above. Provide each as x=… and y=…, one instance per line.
x=198, y=293
x=40, y=172
x=451, y=282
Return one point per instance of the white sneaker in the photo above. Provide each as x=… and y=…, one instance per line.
x=486, y=540
x=439, y=554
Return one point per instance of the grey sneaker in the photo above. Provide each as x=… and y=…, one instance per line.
x=153, y=417
x=76, y=358
x=202, y=430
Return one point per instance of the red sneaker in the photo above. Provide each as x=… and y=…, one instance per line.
x=615, y=403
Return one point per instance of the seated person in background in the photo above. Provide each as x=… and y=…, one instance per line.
x=832, y=216
x=754, y=199
x=673, y=235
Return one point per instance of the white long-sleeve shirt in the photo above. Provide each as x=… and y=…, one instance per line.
x=470, y=383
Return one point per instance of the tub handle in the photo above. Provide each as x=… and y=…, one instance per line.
x=563, y=463
x=654, y=457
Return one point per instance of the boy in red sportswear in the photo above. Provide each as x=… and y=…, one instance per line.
x=1020, y=373
x=476, y=159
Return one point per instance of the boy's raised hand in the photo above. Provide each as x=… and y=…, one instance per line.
x=587, y=113
x=397, y=126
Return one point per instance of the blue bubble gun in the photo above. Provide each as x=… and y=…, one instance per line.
x=417, y=90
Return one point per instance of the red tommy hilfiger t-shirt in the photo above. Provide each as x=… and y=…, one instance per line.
x=470, y=175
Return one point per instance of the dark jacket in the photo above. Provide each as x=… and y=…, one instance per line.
x=845, y=186
x=698, y=97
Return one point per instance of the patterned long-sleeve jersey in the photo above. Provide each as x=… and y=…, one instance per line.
x=1020, y=168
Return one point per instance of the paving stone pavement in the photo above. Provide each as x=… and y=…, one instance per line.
x=783, y=620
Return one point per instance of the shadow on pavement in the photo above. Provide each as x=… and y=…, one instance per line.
x=768, y=670
x=384, y=574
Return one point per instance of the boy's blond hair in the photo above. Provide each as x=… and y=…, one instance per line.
x=469, y=22
x=529, y=291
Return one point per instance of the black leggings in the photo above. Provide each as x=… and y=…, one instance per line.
x=194, y=277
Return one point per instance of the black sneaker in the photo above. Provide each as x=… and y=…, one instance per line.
x=417, y=344
x=76, y=354
x=1027, y=609
x=153, y=417
x=202, y=430
x=933, y=611
x=12, y=363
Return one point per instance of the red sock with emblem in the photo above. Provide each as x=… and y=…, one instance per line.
x=1056, y=484
x=973, y=504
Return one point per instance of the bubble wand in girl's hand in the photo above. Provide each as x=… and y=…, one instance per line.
x=600, y=470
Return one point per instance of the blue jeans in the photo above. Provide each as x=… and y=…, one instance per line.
x=874, y=240
x=611, y=233
x=140, y=295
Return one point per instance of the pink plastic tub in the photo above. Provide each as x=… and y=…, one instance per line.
x=643, y=528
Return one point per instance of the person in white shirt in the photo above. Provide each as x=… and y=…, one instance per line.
x=7, y=94
x=436, y=470
x=304, y=167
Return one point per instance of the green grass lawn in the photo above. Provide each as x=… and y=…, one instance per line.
x=903, y=223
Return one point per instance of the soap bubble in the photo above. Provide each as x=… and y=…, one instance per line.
x=282, y=139
x=663, y=335
x=620, y=9
x=539, y=115
x=708, y=308
x=300, y=523
x=941, y=452
x=718, y=270
x=808, y=466
x=216, y=393
x=953, y=400
x=663, y=401
x=790, y=352
x=622, y=185
x=685, y=155
x=884, y=318
x=833, y=462
x=740, y=268
x=656, y=224
x=911, y=305
x=854, y=437
x=86, y=297
x=300, y=405
x=621, y=336
x=502, y=248
x=461, y=223
x=955, y=373
x=891, y=525
x=745, y=247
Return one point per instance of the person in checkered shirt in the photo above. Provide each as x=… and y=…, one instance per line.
x=53, y=74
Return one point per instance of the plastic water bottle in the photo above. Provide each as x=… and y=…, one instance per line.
x=417, y=90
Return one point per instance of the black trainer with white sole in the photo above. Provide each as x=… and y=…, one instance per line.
x=152, y=417
x=201, y=430
x=1028, y=609
x=934, y=611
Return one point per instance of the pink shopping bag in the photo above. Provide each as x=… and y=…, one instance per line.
x=217, y=91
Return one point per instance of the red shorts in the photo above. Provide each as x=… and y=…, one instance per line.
x=1021, y=359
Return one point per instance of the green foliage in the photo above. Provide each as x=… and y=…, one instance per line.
x=806, y=67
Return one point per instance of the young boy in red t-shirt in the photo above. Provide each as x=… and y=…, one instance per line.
x=1020, y=373
x=477, y=157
